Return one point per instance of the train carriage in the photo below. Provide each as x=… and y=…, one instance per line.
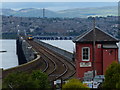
x=30, y=37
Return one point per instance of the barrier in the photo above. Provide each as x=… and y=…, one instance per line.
x=28, y=66
x=20, y=52
x=62, y=52
x=27, y=51
x=31, y=65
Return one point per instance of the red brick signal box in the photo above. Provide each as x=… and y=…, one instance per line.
x=106, y=51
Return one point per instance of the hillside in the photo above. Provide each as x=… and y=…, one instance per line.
x=85, y=12
x=76, y=12
x=57, y=26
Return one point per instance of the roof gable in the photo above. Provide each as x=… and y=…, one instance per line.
x=100, y=36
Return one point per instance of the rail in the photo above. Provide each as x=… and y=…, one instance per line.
x=45, y=59
x=60, y=51
x=59, y=62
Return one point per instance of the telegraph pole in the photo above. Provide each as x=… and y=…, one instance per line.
x=94, y=48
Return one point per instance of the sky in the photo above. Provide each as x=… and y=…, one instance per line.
x=60, y=0
x=55, y=6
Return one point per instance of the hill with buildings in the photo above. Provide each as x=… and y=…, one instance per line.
x=57, y=26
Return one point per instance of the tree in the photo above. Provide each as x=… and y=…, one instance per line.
x=41, y=78
x=112, y=76
x=25, y=80
x=74, y=84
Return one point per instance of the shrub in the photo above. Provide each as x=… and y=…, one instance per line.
x=74, y=84
x=24, y=80
x=112, y=76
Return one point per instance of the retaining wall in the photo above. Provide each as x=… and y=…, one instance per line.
x=28, y=51
x=27, y=67
x=20, y=53
x=27, y=57
x=62, y=52
x=24, y=51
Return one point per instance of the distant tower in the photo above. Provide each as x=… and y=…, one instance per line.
x=43, y=12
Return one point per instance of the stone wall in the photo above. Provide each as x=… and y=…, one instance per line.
x=62, y=52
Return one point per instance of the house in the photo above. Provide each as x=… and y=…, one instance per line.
x=95, y=51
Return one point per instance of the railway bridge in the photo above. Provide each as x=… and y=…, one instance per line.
x=56, y=66
x=54, y=37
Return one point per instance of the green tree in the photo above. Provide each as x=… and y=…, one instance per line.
x=112, y=76
x=25, y=80
x=74, y=84
x=41, y=79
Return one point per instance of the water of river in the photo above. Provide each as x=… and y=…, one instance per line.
x=8, y=57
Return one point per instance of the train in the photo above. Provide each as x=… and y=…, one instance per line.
x=30, y=37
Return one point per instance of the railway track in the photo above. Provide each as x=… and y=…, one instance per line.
x=56, y=66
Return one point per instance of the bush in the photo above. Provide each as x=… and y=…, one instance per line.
x=24, y=80
x=112, y=76
x=42, y=79
x=74, y=84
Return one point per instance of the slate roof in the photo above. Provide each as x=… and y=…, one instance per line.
x=100, y=36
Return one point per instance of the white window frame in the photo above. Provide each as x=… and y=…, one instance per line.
x=88, y=54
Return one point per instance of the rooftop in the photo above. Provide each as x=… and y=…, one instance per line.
x=100, y=36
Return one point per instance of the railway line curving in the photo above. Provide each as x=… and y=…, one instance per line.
x=56, y=66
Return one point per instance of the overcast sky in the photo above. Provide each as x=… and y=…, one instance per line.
x=59, y=0
x=56, y=4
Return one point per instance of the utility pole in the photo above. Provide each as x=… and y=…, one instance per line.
x=94, y=48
